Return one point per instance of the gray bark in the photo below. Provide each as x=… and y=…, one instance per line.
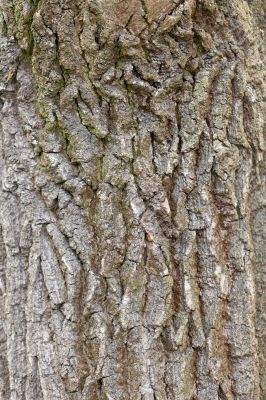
x=132, y=254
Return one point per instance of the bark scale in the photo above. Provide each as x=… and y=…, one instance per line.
x=132, y=200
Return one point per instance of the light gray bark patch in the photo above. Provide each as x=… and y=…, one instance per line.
x=53, y=276
x=4, y=371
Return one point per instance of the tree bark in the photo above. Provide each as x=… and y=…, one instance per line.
x=132, y=200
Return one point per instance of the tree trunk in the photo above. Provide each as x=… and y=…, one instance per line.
x=132, y=200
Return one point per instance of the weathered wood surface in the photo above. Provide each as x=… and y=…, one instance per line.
x=132, y=200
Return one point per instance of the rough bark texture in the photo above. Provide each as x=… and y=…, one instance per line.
x=132, y=200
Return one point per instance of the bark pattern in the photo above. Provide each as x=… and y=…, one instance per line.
x=132, y=240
